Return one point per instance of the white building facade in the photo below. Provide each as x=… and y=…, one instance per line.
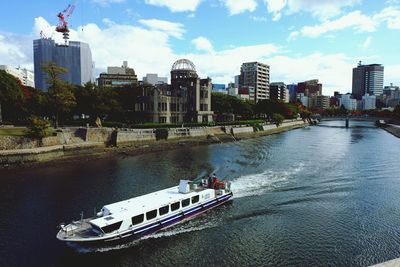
x=348, y=102
x=368, y=102
x=26, y=77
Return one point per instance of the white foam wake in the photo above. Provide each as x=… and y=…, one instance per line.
x=257, y=184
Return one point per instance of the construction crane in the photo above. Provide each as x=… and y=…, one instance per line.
x=63, y=18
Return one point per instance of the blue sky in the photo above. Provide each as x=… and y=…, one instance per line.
x=299, y=39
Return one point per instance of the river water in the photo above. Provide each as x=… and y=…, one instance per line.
x=318, y=196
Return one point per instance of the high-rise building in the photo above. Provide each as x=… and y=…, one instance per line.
x=348, y=102
x=26, y=77
x=154, y=79
x=321, y=101
x=75, y=57
x=118, y=76
x=367, y=79
x=279, y=91
x=368, y=102
x=310, y=88
x=292, y=91
x=256, y=75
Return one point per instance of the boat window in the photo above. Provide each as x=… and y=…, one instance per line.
x=95, y=227
x=112, y=227
x=151, y=214
x=185, y=202
x=195, y=199
x=163, y=210
x=137, y=219
x=175, y=206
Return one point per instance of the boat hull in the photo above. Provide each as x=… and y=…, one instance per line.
x=136, y=234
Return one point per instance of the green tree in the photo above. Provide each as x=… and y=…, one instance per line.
x=277, y=118
x=61, y=96
x=10, y=96
x=38, y=127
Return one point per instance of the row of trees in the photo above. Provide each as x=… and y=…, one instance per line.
x=19, y=103
x=222, y=103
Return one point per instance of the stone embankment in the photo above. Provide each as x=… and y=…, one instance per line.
x=74, y=142
x=393, y=129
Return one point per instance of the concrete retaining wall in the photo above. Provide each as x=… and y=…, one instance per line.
x=99, y=135
x=134, y=135
x=17, y=142
x=269, y=127
x=242, y=130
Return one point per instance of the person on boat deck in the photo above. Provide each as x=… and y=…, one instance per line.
x=210, y=182
x=214, y=179
x=204, y=181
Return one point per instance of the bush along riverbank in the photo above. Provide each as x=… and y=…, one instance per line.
x=77, y=142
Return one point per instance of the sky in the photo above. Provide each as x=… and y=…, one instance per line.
x=299, y=39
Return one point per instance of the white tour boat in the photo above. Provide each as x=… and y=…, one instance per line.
x=139, y=216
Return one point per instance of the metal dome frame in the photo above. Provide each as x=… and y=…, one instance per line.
x=183, y=64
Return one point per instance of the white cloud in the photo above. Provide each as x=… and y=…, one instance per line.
x=392, y=75
x=354, y=20
x=333, y=71
x=239, y=6
x=176, y=5
x=390, y=15
x=14, y=50
x=367, y=43
x=171, y=28
x=275, y=7
x=258, y=19
x=293, y=35
x=322, y=9
x=203, y=44
x=107, y=2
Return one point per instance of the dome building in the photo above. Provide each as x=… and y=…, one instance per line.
x=186, y=99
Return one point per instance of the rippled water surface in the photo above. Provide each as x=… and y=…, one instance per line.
x=318, y=196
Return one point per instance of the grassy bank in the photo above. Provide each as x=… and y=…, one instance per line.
x=13, y=131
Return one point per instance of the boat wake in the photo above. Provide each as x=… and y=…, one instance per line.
x=258, y=184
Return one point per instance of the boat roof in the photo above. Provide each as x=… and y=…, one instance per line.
x=138, y=205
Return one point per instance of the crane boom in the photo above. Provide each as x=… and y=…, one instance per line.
x=63, y=18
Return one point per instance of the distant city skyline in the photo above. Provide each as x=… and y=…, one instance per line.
x=300, y=40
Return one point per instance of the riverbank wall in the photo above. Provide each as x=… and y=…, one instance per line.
x=393, y=129
x=76, y=142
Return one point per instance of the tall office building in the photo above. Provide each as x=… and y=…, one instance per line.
x=118, y=76
x=154, y=79
x=309, y=88
x=76, y=57
x=279, y=91
x=256, y=75
x=367, y=79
